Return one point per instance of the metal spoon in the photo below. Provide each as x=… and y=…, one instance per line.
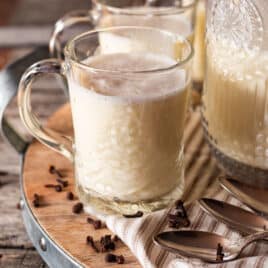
x=203, y=245
x=237, y=218
x=253, y=197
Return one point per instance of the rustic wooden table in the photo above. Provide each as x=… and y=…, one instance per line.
x=17, y=16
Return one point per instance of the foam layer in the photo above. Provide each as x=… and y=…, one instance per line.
x=134, y=85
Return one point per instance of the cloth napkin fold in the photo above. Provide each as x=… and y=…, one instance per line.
x=137, y=235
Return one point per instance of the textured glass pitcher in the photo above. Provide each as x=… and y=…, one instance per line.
x=235, y=100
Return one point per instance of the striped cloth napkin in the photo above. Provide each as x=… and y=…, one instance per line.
x=137, y=235
x=200, y=173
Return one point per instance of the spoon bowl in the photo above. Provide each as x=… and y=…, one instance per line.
x=203, y=245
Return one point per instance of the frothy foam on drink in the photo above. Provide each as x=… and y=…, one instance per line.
x=134, y=84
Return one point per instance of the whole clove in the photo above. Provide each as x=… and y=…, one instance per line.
x=110, y=257
x=50, y=185
x=116, y=238
x=90, y=241
x=120, y=259
x=53, y=170
x=179, y=206
x=220, y=254
x=179, y=217
x=96, y=223
x=58, y=188
x=70, y=196
x=36, y=201
x=107, y=243
x=138, y=214
x=78, y=208
x=62, y=182
x=178, y=221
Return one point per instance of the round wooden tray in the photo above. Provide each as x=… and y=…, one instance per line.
x=57, y=233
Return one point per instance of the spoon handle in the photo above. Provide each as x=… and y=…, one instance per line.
x=252, y=238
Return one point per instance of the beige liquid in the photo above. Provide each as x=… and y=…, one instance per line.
x=180, y=23
x=236, y=104
x=128, y=129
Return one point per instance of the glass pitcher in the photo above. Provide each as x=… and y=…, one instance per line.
x=235, y=99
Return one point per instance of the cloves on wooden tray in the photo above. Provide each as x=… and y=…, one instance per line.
x=78, y=208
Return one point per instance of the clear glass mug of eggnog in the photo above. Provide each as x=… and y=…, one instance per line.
x=128, y=108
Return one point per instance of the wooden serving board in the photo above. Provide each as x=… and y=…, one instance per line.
x=69, y=230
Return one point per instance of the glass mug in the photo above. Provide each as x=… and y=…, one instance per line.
x=174, y=16
x=235, y=100
x=128, y=108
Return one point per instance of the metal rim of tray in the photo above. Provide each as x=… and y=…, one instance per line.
x=49, y=250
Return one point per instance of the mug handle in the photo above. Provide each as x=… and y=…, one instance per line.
x=67, y=21
x=56, y=141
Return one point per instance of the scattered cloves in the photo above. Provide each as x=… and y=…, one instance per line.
x=53, y=170
x=78, y=208
x=138, y=214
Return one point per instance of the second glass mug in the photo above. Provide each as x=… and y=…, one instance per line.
x=174, y=16
x=128, y=109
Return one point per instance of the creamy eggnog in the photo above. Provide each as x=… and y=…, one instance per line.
x=128, y=129
x=236, y=102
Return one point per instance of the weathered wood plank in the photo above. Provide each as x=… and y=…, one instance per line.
x=26, y=258
x=12, y=233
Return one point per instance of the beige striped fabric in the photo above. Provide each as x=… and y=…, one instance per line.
x=201, y=180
